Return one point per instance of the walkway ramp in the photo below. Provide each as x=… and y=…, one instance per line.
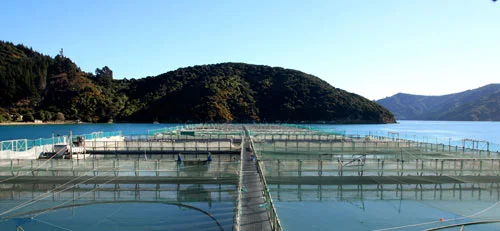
x=61, y=150
x=254, y=215
x=254, y=205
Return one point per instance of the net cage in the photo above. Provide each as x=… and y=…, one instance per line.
x=218, y=168
x=461, y=175
x=295, y=163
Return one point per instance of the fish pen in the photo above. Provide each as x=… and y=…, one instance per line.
x=366, y=172
x=252, y=177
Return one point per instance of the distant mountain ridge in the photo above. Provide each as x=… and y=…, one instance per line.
x=481, y=104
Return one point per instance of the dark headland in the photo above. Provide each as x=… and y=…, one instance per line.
x=38, y=87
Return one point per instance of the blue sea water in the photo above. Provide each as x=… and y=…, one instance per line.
x=426, y=130
x=11, y=132
x=375, y=214
x=127, y=216
x=423, y=130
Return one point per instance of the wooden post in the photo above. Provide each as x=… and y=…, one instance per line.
x=402, y=167
x=320, y=167
x=157, y=167
x=382, y=173
x=455, y=166
x=480, y=167
x=488, y=148
x=442, y=167
x=461, y=167
x=93, y=167
x=300, y=167
x=12, y=167
x=416, y=166
x=436, y=166
x=136, y=167
x=378, y=167
x=114, y=167
x=422, y=168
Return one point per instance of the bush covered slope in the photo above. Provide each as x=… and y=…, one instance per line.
x=40, y=86
x=244, y=92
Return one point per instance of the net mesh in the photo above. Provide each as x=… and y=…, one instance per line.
x=298, y=164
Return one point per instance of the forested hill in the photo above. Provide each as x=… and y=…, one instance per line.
x=40, y=87
x=481, y=104
x=243, y=92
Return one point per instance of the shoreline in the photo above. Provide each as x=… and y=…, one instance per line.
x=43, y=123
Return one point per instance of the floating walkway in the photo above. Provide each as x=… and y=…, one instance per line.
x=254, y=214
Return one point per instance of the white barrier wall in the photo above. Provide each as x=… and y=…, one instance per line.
x=32, y=153
x=35, y=151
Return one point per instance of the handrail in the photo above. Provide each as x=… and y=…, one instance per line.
x=22, y=145
x=109, y=167
x=273, y=215
x=237, y=212
x=373, y=143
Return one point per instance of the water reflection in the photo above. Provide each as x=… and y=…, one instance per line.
x=455, y=191
x=163, y=192
x=124, y=215
x=387, y=206
x=30, y=205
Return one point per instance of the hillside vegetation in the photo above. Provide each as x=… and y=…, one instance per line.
x=40, y=87
x=481, y=104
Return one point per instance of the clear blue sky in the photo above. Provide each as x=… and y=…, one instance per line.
x=371, y=48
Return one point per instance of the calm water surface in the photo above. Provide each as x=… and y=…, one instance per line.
x=427, y=130
x=370, y=214
x=420, y=130
x=128, y=207
x=10, y=132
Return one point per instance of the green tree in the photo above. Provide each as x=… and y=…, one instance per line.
x=48, y=115
x=28, y=117
x=104, y=76
x=60, y=116
x=4, y=115
x=40, y=115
